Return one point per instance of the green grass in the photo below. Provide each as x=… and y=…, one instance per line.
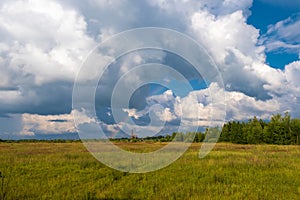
x=68, y=171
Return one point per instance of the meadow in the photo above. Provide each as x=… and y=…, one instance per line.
x=68, y=171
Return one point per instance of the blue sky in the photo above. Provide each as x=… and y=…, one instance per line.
x=43, y=43
x=265, y=13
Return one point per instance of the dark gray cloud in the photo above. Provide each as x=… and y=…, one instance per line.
x=48, y=99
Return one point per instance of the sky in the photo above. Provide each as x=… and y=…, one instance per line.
x=43, y=43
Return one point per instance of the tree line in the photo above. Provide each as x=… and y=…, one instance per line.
x=282, y=130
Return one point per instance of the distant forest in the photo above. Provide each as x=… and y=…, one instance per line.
x=280, y=129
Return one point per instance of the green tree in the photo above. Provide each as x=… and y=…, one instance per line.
x=295, y=131
x=237, y=135
x=225, y=133
x=189, y=136
x=254, y=132
x=279, y=130
x=199, y=137
x=178, y=136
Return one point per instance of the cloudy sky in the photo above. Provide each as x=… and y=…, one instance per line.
x=43, y=44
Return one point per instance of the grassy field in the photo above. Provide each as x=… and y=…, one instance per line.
x=68, y=171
